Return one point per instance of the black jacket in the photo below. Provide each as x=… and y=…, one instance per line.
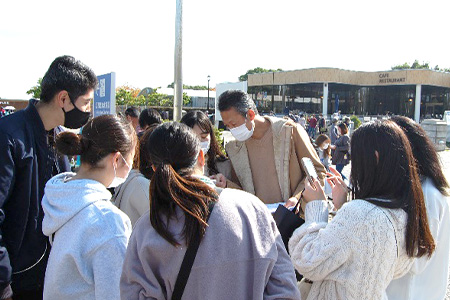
x=341, y=154
x=27, y=162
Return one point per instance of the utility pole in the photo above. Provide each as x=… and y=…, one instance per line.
x=178, y=82
x=207, y=107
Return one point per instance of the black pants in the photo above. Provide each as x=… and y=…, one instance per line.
x=29, y=295
x=30, y=285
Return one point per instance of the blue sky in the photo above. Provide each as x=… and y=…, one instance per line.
x=223, y=39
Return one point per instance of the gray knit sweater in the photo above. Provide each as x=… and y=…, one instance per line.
x=240, y=257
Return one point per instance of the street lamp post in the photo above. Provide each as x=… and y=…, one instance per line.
x=209, y=77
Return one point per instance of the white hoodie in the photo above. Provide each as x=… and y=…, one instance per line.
x=89, y=242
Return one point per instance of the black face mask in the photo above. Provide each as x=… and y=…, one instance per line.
x=75, y=118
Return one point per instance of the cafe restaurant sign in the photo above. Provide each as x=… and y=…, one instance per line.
x=392, y=78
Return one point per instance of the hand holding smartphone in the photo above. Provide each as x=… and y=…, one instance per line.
x=309, y=169
x=313, y=191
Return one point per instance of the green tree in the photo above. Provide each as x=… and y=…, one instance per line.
x=443, y=70
x=356, y=121
x=186, y=99
x=244, y=77
x=158, y=99
x=190, y=87
x=219, y=138
x=127, y=95
x=415, y=65
x=35, y=91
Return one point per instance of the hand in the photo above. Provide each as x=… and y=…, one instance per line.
x=339, y=189
x=291, y=202
x=221, y=181
x=313, y=192
x=333, y=147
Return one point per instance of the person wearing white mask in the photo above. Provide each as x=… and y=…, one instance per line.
x=218, y=166
x=89, y=235
x=267, y=151
x=324, y=150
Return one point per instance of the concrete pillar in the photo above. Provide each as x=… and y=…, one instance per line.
x=325, y=99
x=417, y=103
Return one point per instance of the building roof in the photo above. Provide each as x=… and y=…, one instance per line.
x=332, y=75
x=190, y=93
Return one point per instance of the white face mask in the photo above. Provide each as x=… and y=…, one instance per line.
x=325, y=146
x=241, y=133
x=119, y=180
x=205, y=146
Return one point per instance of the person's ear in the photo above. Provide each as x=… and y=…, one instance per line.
x=61, y=98
x=251, y=114
x=201, y=158
x=116, y=158
x=153, y=168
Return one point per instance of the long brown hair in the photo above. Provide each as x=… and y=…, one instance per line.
x=383, y=167
x=173, y=149
x=200, y=119
x=424, y=153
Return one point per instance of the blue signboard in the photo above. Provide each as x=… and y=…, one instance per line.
x=105, y=95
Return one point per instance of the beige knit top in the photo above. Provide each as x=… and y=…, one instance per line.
x=356, y=255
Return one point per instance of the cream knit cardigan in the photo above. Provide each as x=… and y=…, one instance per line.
x=355, y=256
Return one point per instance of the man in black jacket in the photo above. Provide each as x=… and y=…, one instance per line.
x=27, y=161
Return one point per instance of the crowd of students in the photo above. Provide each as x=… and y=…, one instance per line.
x=187, y=220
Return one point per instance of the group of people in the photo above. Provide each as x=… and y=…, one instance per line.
x=336, y=148
x=188, y=220
x=311, y=123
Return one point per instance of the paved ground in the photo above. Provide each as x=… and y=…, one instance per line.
x=445, y=159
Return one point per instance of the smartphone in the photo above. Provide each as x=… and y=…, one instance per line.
x=309, y=169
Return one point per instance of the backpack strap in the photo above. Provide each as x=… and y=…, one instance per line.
x=188, y=261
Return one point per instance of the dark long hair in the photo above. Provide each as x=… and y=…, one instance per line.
x=173, y=149
x=197, y=117
x=424, y=153
x=383, y=167
x=100, y=136
x=145, y=163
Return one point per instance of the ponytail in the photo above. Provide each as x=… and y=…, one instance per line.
x=69, y=143
x=169, y=190
x=101, y=136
